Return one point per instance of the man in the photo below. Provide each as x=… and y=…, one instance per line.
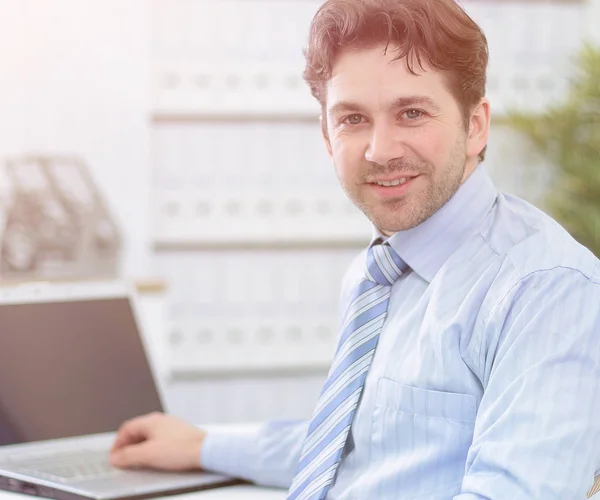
x=468, y=365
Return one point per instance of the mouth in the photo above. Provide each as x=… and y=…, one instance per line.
x=392, y=188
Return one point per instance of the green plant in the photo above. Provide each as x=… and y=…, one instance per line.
x=568, y=135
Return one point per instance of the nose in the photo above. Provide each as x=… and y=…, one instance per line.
x=384, y=145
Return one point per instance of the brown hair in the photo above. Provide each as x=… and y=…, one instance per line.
x=438, y=30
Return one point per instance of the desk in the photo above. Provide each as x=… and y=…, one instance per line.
x=230, y=493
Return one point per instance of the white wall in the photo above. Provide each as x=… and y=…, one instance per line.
x=74, y=80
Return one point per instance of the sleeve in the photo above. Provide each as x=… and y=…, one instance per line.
x=537, y=432
x=267, y=456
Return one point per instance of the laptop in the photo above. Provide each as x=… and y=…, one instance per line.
x=74, y=366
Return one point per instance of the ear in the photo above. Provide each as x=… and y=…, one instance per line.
x=479, y=129
x=325, y=135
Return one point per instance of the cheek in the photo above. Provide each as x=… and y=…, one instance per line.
x=433, y=147
x=348, y=157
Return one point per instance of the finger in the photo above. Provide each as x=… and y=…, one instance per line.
x=132, y=456
x=127, y=438
x=129, y=433
x=134, y=431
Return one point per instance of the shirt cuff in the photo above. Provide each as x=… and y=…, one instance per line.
x=231, y=452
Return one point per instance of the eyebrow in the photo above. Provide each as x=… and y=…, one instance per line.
x=400, y=102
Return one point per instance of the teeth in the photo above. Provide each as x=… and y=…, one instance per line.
x=392, y=183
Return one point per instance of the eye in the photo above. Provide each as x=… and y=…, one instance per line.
x=354, y=119
x=413, y=114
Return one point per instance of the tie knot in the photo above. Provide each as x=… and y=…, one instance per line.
x=384, y=265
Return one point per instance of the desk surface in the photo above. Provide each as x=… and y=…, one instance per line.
x=230, y=493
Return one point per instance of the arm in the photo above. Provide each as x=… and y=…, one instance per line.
x=268, y=456
x=537, y=434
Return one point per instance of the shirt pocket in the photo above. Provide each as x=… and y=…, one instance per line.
x=421, y=438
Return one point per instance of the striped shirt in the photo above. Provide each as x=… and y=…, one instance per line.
x=486, y=380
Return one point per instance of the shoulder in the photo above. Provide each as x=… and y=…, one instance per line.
x=541, y=270
x=530, y=243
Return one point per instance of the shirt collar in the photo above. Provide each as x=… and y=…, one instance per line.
x=427, y=246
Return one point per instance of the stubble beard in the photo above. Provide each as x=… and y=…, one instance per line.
x=420, y=203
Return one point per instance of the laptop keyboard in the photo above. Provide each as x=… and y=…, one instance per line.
x=68, y=466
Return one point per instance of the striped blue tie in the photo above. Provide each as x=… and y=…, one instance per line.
x=329, y=428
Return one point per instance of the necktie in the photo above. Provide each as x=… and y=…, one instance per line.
x=330, y=425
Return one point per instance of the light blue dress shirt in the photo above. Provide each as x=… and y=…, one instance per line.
x=486, y=380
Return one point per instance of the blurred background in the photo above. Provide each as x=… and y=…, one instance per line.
x=175, y=144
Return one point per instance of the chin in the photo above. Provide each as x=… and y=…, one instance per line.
x=388, y=227
x=393, y=223
x=391, y=216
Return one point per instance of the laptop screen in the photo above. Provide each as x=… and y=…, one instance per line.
x=71, y=368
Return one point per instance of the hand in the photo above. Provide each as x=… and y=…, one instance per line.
x=157, y=441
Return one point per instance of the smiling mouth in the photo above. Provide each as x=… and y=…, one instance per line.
x=392, y=188
x=391, y=179
x=396, y=182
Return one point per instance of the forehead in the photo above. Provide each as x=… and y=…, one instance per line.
x=372, y=77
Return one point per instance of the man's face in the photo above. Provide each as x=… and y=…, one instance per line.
x=386, y=126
